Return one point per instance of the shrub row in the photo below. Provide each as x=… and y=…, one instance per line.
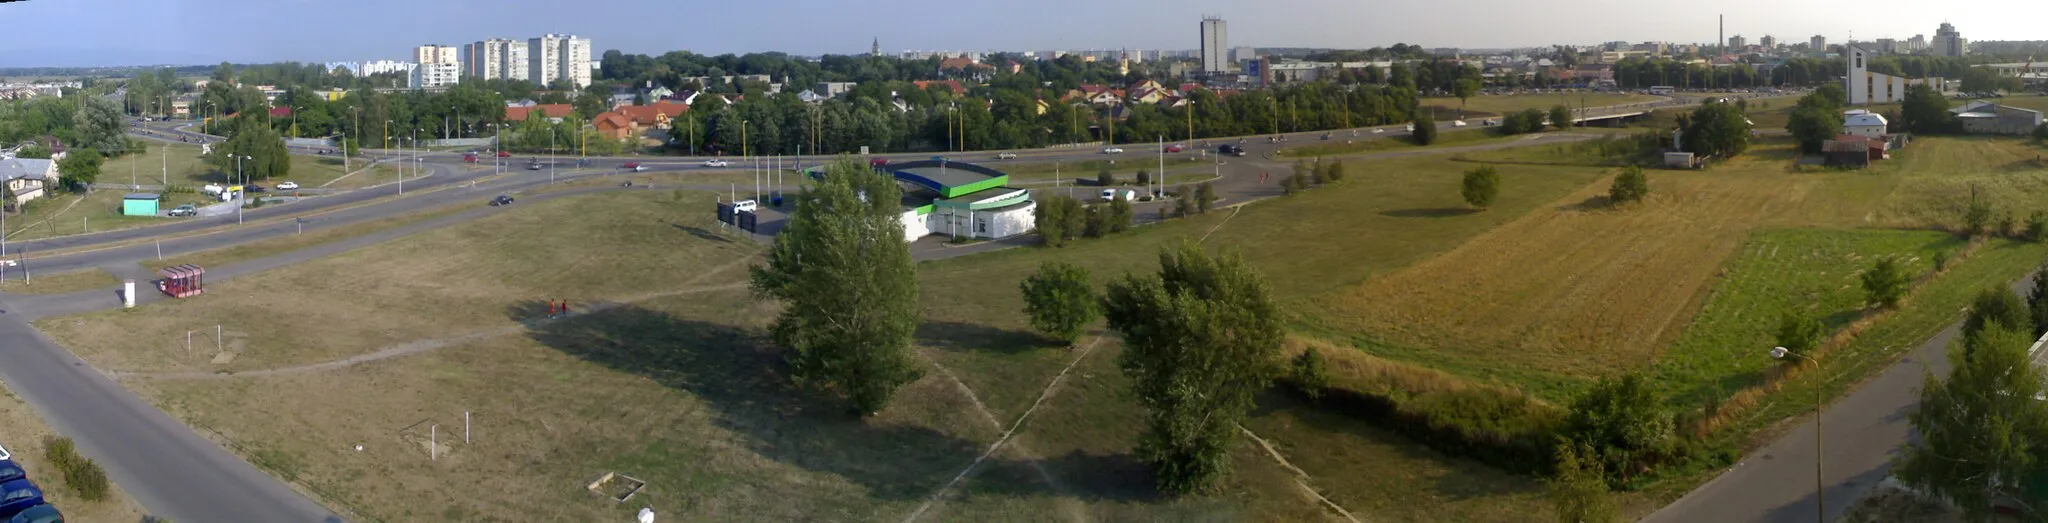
x=1498, y=426
x=80, y=473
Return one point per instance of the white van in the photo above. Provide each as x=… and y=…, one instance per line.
x=745, y=205
x=1110, y=195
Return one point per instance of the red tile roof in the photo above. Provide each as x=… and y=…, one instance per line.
x=961, y=63
x=645, y=114
x=280, y=112
x=953, y=84
x=517, y=114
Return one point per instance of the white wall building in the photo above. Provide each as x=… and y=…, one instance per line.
x=434, y=54
x=387, y=66
x=1215, y=46
x=435, y=75
x=495, y=58
x=1864, y=123
x=1866, y=87
x=558, y=56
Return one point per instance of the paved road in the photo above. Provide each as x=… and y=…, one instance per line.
x=1864, y=432
x=176, y=473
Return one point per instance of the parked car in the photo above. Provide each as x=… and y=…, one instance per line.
x=1112, y=150
x=502, y=199
x=9, y=471
x=714, y=162
x=287, y=186
x=745, y=205
x=1005, y=156
x=17, y=496
x=1110, y=194
x=38, y=514
x=185, y=210
x=634, y=166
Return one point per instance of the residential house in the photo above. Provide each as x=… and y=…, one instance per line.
x=620, y=99
x=1854, y=151
x=659, y=92
x=953, y=85
x=967, y=68
x=1982, y=117
x=811, y=97
x=634, y=120
x=281, y=112
x=1594, y=74
x=1864, y=123
x=553, y=112
x=1147, y=95
x=833, y=89
x=27, y=178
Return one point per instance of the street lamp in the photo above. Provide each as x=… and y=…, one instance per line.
x=1820, y=502
x=239, y=195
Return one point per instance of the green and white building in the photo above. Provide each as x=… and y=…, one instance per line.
x=959, y=199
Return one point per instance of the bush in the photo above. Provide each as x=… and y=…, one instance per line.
x=1622, y=424
x=1060, y=300
x=1629, y=186
x=1144, y=178
x=1482, y=185
x=2007, y=226
x=1425, y=130
x=1205, y=196
x=60, y=452
x=1500, y=427
x=2037, y=226
x=1885, y=284
x=1315, y=174
x=87, y=479
x=1941, y=260
x=1578, y=489
x=1561, y=116
x=1309, y=375
x=1976, y=216
x=1799, y=333
x=1335, y=171
x=1105, y=178
x=1997, y=305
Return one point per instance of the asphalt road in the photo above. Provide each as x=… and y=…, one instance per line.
x=176, y=473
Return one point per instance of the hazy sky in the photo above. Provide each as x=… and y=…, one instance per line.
x=118, y=32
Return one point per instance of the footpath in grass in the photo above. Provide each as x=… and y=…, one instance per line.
x=1811, y=273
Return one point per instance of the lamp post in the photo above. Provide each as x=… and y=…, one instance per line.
x=295, y=120
x=743, y=139
x=245, y=182
x=1820, y=503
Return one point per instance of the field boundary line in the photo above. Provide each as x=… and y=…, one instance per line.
x=53, y=216
x=1047, y=392
x=1301, y=478
x=1219, y=225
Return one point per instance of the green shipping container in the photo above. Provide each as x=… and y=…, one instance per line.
x=139, y=204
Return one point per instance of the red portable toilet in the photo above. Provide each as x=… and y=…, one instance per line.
x=182, y=281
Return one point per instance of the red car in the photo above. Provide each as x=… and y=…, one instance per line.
x=1173, y=148
x=469, y=158
x=634, y=166
x=503, y=154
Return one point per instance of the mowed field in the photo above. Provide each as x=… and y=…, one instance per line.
x=183, y=166
x=1495, y=105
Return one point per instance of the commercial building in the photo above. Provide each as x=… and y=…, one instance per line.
x=1949, y=42
x=435, y=75
x=1818, y=44
x=958, y=199
x=1864, y=123
x=1215, y=45
x=434, y=54
x=353, y=68
x=1916, y=44
x=1981, y=117
x=555, y=56
x=387, y=66
x=1737, y=42
x=1769, y=42
x=1866, y=87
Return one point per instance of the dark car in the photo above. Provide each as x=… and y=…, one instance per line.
x=1231, y=150
x=10, y=471
x=17, y=496
x=38, y=514
x=255, y=188
x=535, y=166
x=501, y=200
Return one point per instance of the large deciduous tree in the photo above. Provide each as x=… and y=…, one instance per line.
x=1060, y=300
x=79, y=168
x=1481, y=186
x=1925, y=111
x=1980, y=429
x=843, y=272
x=98, y=125
x=261, y=149
x=1717, y=129
x=1201, y=338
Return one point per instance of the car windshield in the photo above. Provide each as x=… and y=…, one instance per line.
x=18, y=495
x=10, y=471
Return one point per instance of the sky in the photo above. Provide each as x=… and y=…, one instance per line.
x=135, y=32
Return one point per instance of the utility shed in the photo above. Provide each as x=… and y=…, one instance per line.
x=140, y=204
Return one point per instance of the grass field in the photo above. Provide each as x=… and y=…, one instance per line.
x=64, y=214
x=1495, y=105
x=57, y=282
x=1393, y=140
x=182, y=164
x=22, y=432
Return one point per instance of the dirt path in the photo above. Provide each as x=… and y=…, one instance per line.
x=1050, y=388
x=1300, y=478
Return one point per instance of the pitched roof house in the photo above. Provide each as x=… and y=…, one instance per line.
x=27, y=177
x=632, y=120
x=553, y=112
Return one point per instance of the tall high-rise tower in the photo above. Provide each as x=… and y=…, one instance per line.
x=1949, y=42
x=1215, y=45
x=876, y=50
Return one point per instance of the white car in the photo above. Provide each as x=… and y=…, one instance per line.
x=1379, y=131
x=3, y=450
x=287, y=186
x=714, y=162
x=1005, y=156
x=1110, y=195
x=1457, y=123
x=746, y=205
x=1411, y=127
x=1113, y=150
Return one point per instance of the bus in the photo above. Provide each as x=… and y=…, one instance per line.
x=1661, y=90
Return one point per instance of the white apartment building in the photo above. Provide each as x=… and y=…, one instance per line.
x=387, y=66
x=558, y=56
x=1215, y=45
x=434, y=54
x=495, y=58
x=436, y=75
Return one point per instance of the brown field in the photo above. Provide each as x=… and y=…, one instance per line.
x=57, y=282
x=22, y=432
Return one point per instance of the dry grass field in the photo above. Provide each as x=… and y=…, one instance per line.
x=22, y=432
x=57, y=282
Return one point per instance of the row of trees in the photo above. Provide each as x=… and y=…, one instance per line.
x=77, y=121
x=1061, y=219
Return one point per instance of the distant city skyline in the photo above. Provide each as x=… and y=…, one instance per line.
x=87, y=33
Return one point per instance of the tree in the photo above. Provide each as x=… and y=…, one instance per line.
x=1482, y=184
x=1050, y=219
x=1925, y=111
x=1464, y=88
x=1119, y=215
x=2041, y=132
x=1144, y=178
x=1201, y=338
x=1885, y=284
x=1621, y=423
x=1335, y=171
x=843, y=271
x=2037, y=304
x=1979, y=427
x=1560, y=116
x=1717, y=129
x=1814, y=126
x=33, y=152
x=1060, y=300
x=1578, y=489
x=79, y=168
x=1976, y=215
x=1205, y=196
x=1315, y=174
x=1631, y=185
x=97, y=124
x=1425, y=129
x=1298, y=182
x=1097, y=223
x=1104, y=177
x=1800, y=333
x=1996, y=306
x=1309, y=374
x=262, y=146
